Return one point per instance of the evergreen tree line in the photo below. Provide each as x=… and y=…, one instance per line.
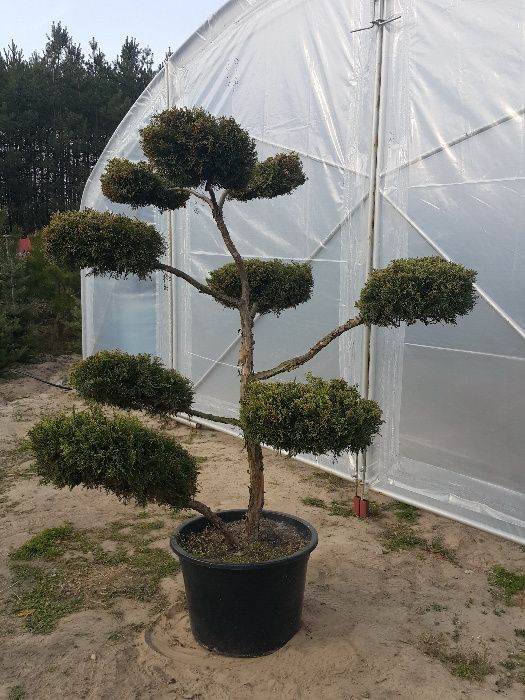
x=58, y=109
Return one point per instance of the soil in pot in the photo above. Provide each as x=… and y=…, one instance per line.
x=276, y=540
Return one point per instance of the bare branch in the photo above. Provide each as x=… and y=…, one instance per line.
x=202, y=288
x=201, y=196
x=232, y=249
x=215, y=419
x=216, y=521
x=246, y=351
x=294, y=362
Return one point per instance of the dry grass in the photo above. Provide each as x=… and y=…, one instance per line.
x=468, y=664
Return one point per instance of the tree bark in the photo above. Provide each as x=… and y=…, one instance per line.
x=212, y=417
x=253, y=450
x=216, y=521
x=299, y=360
x=256, y=503
x=202, y=288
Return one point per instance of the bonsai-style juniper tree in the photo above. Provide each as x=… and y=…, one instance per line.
x=191, y=153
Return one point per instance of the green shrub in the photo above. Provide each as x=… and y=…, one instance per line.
x=15, y=309
x=39, y=304
x=54, y=297
x=431, y=290
x=274, y=284
x=115, y=453
x=136, y=184
x=190, y=147
x=110, y=244
x=273, y=177
x=137, y=382
x=13, y=346
x=316, y=417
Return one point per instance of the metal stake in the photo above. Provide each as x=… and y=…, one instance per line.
x=372, y=211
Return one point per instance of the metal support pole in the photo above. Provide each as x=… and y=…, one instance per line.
x=171, y=252
x=373, y=206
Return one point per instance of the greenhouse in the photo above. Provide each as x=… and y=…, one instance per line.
x=408, y=117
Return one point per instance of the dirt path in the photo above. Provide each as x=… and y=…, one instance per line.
x=370, y=614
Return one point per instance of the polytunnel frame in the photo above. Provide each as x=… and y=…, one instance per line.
x=232, y=11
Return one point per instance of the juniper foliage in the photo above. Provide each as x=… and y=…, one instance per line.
x=115, y=453
x=430, y=290
x=132, y=382
x=274, y=285
x=138, y=185
x=315, y=417
x=109, y=244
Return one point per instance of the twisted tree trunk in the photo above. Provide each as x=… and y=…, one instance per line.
x=253, y=449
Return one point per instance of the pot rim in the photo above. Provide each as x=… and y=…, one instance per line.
x=228, y=566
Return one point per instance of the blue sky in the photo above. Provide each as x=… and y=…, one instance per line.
x=158, y=24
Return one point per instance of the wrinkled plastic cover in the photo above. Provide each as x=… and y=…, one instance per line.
x=451, y=183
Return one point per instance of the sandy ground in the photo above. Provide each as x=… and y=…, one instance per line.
x=366, y=610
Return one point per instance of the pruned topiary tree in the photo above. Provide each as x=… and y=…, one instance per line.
x=191, y=153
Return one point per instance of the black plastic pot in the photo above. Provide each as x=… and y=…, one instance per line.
x=245, y=609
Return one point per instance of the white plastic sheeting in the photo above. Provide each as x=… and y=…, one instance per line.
x=450, y=181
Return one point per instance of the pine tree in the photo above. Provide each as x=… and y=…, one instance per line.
x=58, y=109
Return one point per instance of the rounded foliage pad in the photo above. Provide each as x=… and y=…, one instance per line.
x=137, y=382
x=317, y=417
x=115, y=453
x=431, y=290
x=273, y=177
x=110, y=244
x=138, y=185
x=275, y=285
x=191, y=147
